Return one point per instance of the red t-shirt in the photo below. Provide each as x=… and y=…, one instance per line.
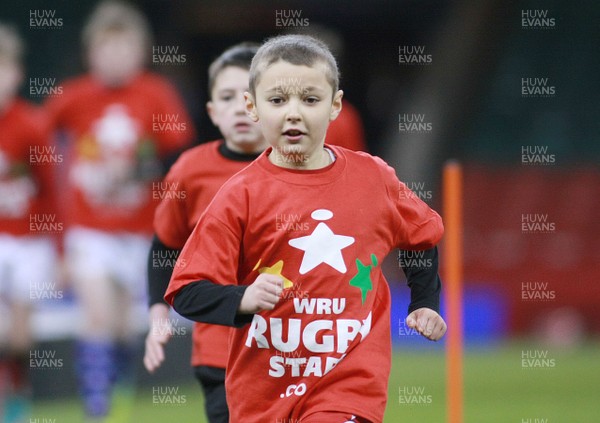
x=187, y=190
x=27, y=163
x=326, y=345
x=116, y=138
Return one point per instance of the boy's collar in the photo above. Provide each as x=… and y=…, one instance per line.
x=235, y=155
x=326, y=175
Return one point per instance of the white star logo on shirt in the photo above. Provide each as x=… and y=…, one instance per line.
x=116, y=129
x=322, y=246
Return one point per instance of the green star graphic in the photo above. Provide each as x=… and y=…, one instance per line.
x=362, y=279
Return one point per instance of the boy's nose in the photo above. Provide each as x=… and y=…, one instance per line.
x=293, y=111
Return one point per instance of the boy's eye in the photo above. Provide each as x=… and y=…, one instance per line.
x=226, y=98
x=276, y=100
x=312, y=100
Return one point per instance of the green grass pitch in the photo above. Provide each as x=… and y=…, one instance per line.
x=563, y=387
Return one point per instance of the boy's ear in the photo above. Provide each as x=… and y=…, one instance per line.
x=210, y=109
x=250, y=106
x=336, y=105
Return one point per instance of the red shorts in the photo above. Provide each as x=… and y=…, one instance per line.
x=333, y=417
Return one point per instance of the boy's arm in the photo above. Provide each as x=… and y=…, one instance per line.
x=229, y=305
x=208, y=302
x=159, y=271
x=159, y=274
x=425, y=287
x=423, y=281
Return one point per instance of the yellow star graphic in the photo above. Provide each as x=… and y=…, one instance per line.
x=275, y=270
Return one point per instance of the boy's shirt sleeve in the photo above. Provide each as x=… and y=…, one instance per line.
x=212, y=251
x=418, y=227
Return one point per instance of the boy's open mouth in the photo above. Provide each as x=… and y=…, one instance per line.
x=293, y=132
x=293, y=135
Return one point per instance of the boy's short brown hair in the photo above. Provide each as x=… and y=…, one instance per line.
x=295, y=49
x=11, y=44
x=240, y=56
x=116, y=16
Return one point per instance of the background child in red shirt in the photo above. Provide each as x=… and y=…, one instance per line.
x=113, y=119
x=189, y=187
x=28, y=223
x=292, y=245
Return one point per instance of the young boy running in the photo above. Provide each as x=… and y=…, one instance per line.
x=289, y=252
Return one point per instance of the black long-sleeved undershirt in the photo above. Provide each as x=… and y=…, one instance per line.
x=422, y=278
x=208, y=302
x=161, y=260
x=201, y=301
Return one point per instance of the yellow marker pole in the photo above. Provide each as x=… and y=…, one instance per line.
x=453, y=290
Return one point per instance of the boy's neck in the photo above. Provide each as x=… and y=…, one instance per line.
x=319, y=159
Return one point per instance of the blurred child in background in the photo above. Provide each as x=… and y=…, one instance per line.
x=110, y=119
x=27, y=250
x=199, y=173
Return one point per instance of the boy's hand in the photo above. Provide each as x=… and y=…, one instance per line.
x=427, y=322
x=263, y=294
x=158, y=336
